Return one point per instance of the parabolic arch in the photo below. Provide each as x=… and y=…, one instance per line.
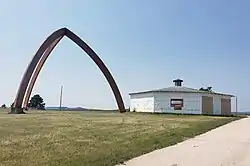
x=38, y=60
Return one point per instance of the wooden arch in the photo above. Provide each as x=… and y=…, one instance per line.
x=36, y=64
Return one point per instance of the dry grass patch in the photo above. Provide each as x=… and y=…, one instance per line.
x=92, y=138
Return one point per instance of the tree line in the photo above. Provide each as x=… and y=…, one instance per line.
x=36, y=102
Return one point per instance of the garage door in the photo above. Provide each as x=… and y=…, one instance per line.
x=225, y=106
x=207, y=105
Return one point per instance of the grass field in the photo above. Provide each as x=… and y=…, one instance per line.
x=92, y=138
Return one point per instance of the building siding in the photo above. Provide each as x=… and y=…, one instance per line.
x=191, y=102
x=217, y=108
x=142, y=102
x=217, y=105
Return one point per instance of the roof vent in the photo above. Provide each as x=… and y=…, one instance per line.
x=178, y=82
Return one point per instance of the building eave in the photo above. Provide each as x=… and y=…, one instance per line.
x=199, y=92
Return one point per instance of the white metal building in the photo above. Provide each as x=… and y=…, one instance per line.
x=180, y=99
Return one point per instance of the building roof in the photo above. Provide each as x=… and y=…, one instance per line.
x=181, y=89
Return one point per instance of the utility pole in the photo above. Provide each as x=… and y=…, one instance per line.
x=61, y=93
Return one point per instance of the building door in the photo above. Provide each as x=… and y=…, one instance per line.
x=207, y=105
x=225, y=106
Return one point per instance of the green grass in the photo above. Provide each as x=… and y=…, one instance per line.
x=92, y=138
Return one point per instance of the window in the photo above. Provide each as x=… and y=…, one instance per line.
x=176, y=103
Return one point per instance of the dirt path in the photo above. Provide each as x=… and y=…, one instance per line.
x=228, y=145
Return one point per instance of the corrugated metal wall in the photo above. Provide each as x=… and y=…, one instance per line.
x=142, y=102
x=216, y=104
x=221, y=104
x=191, y=102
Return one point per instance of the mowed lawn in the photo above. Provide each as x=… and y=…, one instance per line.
x=92, y=138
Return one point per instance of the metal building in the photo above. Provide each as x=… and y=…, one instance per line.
x=180, y=99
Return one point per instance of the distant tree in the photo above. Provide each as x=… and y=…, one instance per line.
x=3, y=106
x=36, y=102
x=208, y=89
x=202, y=89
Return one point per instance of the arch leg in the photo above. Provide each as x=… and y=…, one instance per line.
x=37, y=71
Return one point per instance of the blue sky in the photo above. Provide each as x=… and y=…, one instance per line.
x=145, y=44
